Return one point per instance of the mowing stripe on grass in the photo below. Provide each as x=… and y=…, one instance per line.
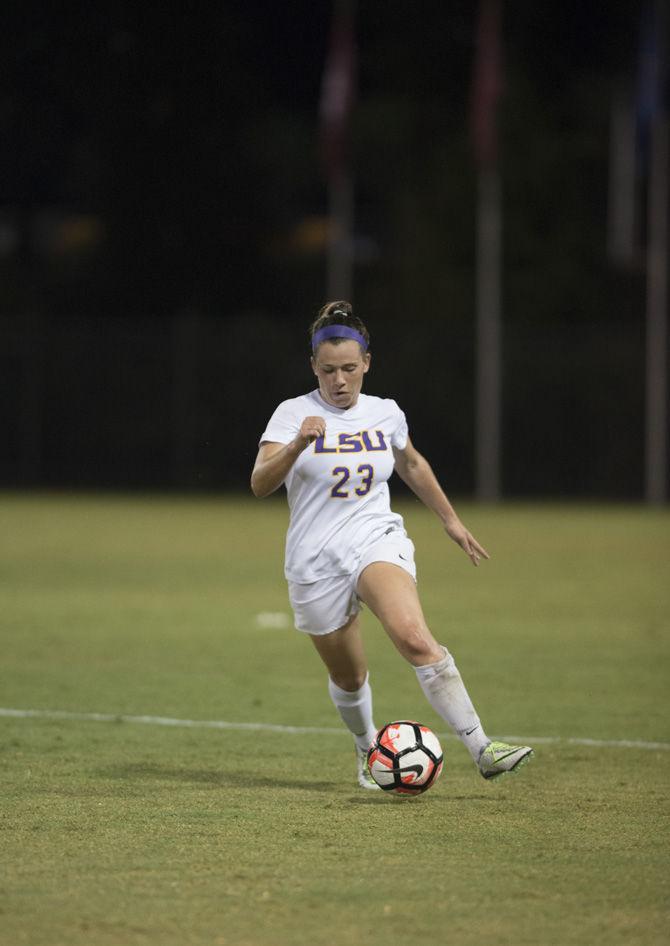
x=304, y=730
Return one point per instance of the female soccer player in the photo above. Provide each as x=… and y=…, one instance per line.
x=335, y=449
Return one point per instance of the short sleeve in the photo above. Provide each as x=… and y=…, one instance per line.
x=401, y=432
x=282, y=426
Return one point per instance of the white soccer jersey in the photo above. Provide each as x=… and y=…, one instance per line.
x=337, y=489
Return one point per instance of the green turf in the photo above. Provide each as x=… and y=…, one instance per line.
x=140, y=835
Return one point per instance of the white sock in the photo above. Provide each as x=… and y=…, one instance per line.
x=446, y=693
x=356, y=711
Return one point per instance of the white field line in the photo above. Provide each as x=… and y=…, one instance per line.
x=306, y=730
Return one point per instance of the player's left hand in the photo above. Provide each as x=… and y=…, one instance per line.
x=457, y=531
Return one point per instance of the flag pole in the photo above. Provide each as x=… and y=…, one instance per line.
x=488, y=336
x=656, y=447
x=621, y=184
x=337, y=95
x=487, y=88
x=339, y=260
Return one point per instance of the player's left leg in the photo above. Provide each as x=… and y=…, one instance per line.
x=390, y=593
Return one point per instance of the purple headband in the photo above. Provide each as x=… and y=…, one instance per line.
x=337, y=331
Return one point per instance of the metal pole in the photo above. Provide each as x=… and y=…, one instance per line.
x=185, y=333
x=33, y=397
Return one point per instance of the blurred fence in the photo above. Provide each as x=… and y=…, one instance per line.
x=180, y=402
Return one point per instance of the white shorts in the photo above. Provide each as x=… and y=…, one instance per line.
x=323, y=606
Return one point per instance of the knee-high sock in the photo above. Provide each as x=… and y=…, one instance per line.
x=444, y=689
x=356, y=711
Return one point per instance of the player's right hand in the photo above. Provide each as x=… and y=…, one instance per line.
x=310, y=429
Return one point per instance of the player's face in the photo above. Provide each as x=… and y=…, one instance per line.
x=340, y=369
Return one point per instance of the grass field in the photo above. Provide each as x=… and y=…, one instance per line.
x=124, y=833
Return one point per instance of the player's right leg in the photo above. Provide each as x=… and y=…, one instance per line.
x=342, y=653
x=327, y=610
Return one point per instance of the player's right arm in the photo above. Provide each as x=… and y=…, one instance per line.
x=275, y=460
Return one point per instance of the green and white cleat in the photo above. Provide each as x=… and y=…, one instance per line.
x=498, y=759
x=365, y=780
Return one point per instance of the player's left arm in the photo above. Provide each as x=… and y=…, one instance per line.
x=414, y=470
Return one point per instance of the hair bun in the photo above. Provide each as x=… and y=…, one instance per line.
x=339, y=312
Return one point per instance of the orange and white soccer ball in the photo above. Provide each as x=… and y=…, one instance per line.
x=405, y=758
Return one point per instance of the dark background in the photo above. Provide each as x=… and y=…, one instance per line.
x=162, y=238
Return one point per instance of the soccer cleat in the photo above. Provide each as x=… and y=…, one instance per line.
x=498, y=759
x=365, y=780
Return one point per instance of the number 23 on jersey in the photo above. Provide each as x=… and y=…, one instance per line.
x=341, y=489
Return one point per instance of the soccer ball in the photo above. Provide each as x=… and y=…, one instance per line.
x=405, y=758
